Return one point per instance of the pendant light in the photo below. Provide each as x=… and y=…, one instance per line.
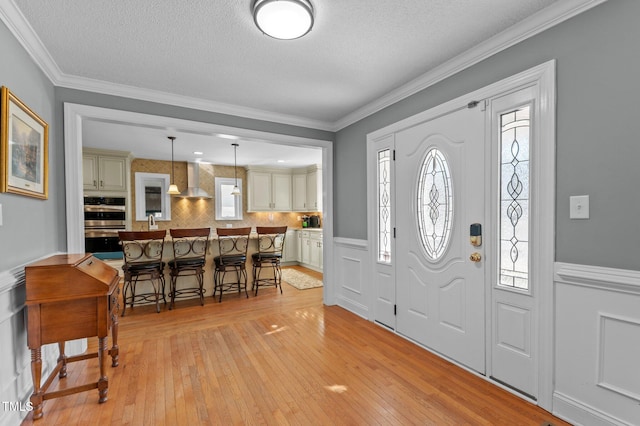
x=283, y=19
x=173, y=189
x=235, y=190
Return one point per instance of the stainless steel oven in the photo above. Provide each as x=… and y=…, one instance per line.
x=103, y=218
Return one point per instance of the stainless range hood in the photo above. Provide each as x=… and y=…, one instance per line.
x=193, y=183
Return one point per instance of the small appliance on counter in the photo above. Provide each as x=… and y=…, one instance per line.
x=314, y=221
x=305, y=221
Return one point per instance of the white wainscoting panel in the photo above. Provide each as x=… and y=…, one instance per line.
x=352, y=282
x=597, y=365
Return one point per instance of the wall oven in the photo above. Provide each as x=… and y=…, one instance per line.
x=103, y=218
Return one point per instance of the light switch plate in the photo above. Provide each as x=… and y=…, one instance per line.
x=579, y=207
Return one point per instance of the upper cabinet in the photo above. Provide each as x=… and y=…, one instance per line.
x=268, y=190
x=299, y=191
x=307, y=189
x=102, y=171
x=314, y=189
x=284, y=190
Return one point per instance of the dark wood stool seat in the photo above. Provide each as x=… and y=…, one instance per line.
x=232, y=244
x=269, y=256
x=189, y=258
x=142, y=252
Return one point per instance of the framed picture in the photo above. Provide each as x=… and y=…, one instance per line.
x=24, y=149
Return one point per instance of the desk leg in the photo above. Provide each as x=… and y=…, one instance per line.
x=36, y=373
x=114, y=351
x=103, y=382
x=62, y=360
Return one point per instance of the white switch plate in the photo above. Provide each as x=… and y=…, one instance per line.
x=0, y=214
x=579, y=207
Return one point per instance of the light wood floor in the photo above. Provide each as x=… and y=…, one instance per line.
x=277, y=359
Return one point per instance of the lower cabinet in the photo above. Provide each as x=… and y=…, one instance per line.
x=310, y=249
x=305, y=247
x=290, y=250
x=315, y=250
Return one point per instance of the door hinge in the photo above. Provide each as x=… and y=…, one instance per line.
x=395, y=309
x=394, y=232
x=473, y=104
x=394, y=155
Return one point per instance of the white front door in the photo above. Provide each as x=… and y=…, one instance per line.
x=492, y=164
x=441, y=191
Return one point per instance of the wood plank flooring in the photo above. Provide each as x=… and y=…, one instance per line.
x=277, y=360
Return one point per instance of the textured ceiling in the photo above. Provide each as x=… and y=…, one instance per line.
x=211, y=50
x=361, y=56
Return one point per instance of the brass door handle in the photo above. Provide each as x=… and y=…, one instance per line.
x=475, y=257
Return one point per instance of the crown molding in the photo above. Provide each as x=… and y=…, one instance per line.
x=26, y=36
x=537, y=23
x=114, y=89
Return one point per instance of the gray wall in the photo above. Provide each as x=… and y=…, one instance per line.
x=596, y=147
x=31, y=228
x=598, y=125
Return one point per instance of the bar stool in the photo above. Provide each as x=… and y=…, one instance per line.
x=270, y=245
x=142, y=252
x=233, y=244
x=189, y=252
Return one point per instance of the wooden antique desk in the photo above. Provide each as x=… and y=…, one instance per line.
x=70, y=296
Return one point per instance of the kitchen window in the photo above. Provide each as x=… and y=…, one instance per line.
x=228, y=207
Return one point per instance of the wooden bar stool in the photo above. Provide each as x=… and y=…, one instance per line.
x=189, y=253
x=142, y=252
x=269, y=255
x=233, y=244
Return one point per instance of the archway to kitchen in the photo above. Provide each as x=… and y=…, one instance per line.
x=75, y=115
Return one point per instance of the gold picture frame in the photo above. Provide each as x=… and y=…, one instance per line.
x=24, y=149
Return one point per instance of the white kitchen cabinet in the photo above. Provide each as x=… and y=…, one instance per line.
x=315, y=250
x=268, y=190
x=310, y=249
x=290, y=251
x=299, y=189
x=305, y=248
x=307, y=189
x=104, y=172
x=314, y=190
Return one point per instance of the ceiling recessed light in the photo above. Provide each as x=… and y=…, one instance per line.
x=223, y=136
x=281, y=161
x=198, y=152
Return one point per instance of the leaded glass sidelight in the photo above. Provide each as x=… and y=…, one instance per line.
x=435, y=204
x=515, y=130
x=384, y=206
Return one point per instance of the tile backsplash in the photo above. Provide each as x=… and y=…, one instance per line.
x=200, y=213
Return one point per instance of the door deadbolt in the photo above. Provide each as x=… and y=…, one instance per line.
x=475, y=234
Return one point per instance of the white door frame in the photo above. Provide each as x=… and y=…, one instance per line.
x=75, y=114
x=543, y=250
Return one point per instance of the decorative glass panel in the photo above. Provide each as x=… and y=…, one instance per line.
x=384, y=206
x=435, y=204
x=514, y=199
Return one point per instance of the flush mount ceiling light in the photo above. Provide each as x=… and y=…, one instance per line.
x=173, y=188
x=283, y=19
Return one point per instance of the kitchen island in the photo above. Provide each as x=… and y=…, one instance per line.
x=190, y=281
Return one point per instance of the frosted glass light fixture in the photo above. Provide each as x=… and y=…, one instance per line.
x=173, y=188
x=235, y=190
x=283, y=19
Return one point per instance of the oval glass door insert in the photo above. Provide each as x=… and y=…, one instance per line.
x=435, y=204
